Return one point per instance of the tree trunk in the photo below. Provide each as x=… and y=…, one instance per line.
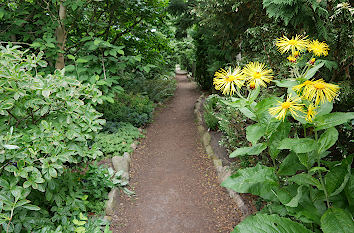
x=61, y=36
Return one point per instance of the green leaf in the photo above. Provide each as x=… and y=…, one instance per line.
x=269, y=224
x=69, y=68
x=286, y=83
x=313, y=70
x=327, y=139
x=31, y=207
x=290, y=165
x=338, y=176
x=82, y=60
x=305, y=179
x=332, y=119
x=253, y=150
x=46, y=93
x=248, y=113
x=71, y=57
x=294, y=202
x=336, y=220
x=258, y=180
x=255, y=132
x=298, y=145
x=53, y=172
x=79, y=223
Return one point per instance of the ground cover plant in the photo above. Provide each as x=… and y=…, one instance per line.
x=306, y=188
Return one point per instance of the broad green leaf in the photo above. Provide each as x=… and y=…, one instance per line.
x=305, y=179
x=280, y=132
x=286, y=83
x=255, y=132
x=53, y=172
x=269, y=224
x=290, y=165
x=248, y=113
x=349, y=191
x=332, y=119
x=71, y=57
x=294, y=202
x=337, y=220
x=254, y=94
x=324, y=108
x=313, y=71
x=258, y=180
x=82, y=60
x=338, y=176
x=69, y=68
x=327, y=139
x=253, y=150
x=298, y=145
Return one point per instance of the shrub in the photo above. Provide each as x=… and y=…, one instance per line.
x=128, y=107
x=209, y=112
x=119, y=141
x=46, y=123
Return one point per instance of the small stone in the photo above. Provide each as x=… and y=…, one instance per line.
x=113, y=199
x=121, y=163
x=206, y=139
x=107, y=218
x=209, y=151
x=201, y=129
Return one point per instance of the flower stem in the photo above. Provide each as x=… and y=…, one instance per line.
x=320, y=174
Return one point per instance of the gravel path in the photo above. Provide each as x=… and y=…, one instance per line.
x=175, y=183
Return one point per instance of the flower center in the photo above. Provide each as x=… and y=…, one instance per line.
x=319, y=86
x=292, y=42
x=285, y=105
x=230, y=78
x=257, y=75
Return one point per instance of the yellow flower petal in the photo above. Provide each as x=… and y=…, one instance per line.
x=257, y=73
x=226, y=81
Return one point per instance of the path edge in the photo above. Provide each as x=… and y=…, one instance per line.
x=223, y=172
x=119, y=163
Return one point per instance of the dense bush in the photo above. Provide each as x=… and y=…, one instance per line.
x=128, y=107
x=118, y=141
x=47, y=123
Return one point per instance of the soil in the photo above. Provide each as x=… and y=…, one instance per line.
x=175, y=183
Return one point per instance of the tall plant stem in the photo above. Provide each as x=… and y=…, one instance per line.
x=304, y=130
x=320, y=174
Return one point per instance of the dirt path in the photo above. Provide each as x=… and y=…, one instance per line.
x=175, y=183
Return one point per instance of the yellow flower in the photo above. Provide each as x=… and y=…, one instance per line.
x=296, y=54
x=318, y=48
x=226, y=80
x=310, y=112
x=291, y=104
x=292, y=59
x=320, y=91
x=257, y=73
x=297, y=43
x=299, y=87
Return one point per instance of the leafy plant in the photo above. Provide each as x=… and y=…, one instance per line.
x=304, y=182
x=135, y=109
x=46, y=124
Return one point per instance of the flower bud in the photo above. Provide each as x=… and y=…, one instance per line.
x=312, y=61
x=252, y=85
x=292, y=59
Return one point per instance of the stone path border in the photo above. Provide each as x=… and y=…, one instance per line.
x=120, y=163
x=223, y=171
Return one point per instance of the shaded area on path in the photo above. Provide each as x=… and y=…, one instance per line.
x=175, y=183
